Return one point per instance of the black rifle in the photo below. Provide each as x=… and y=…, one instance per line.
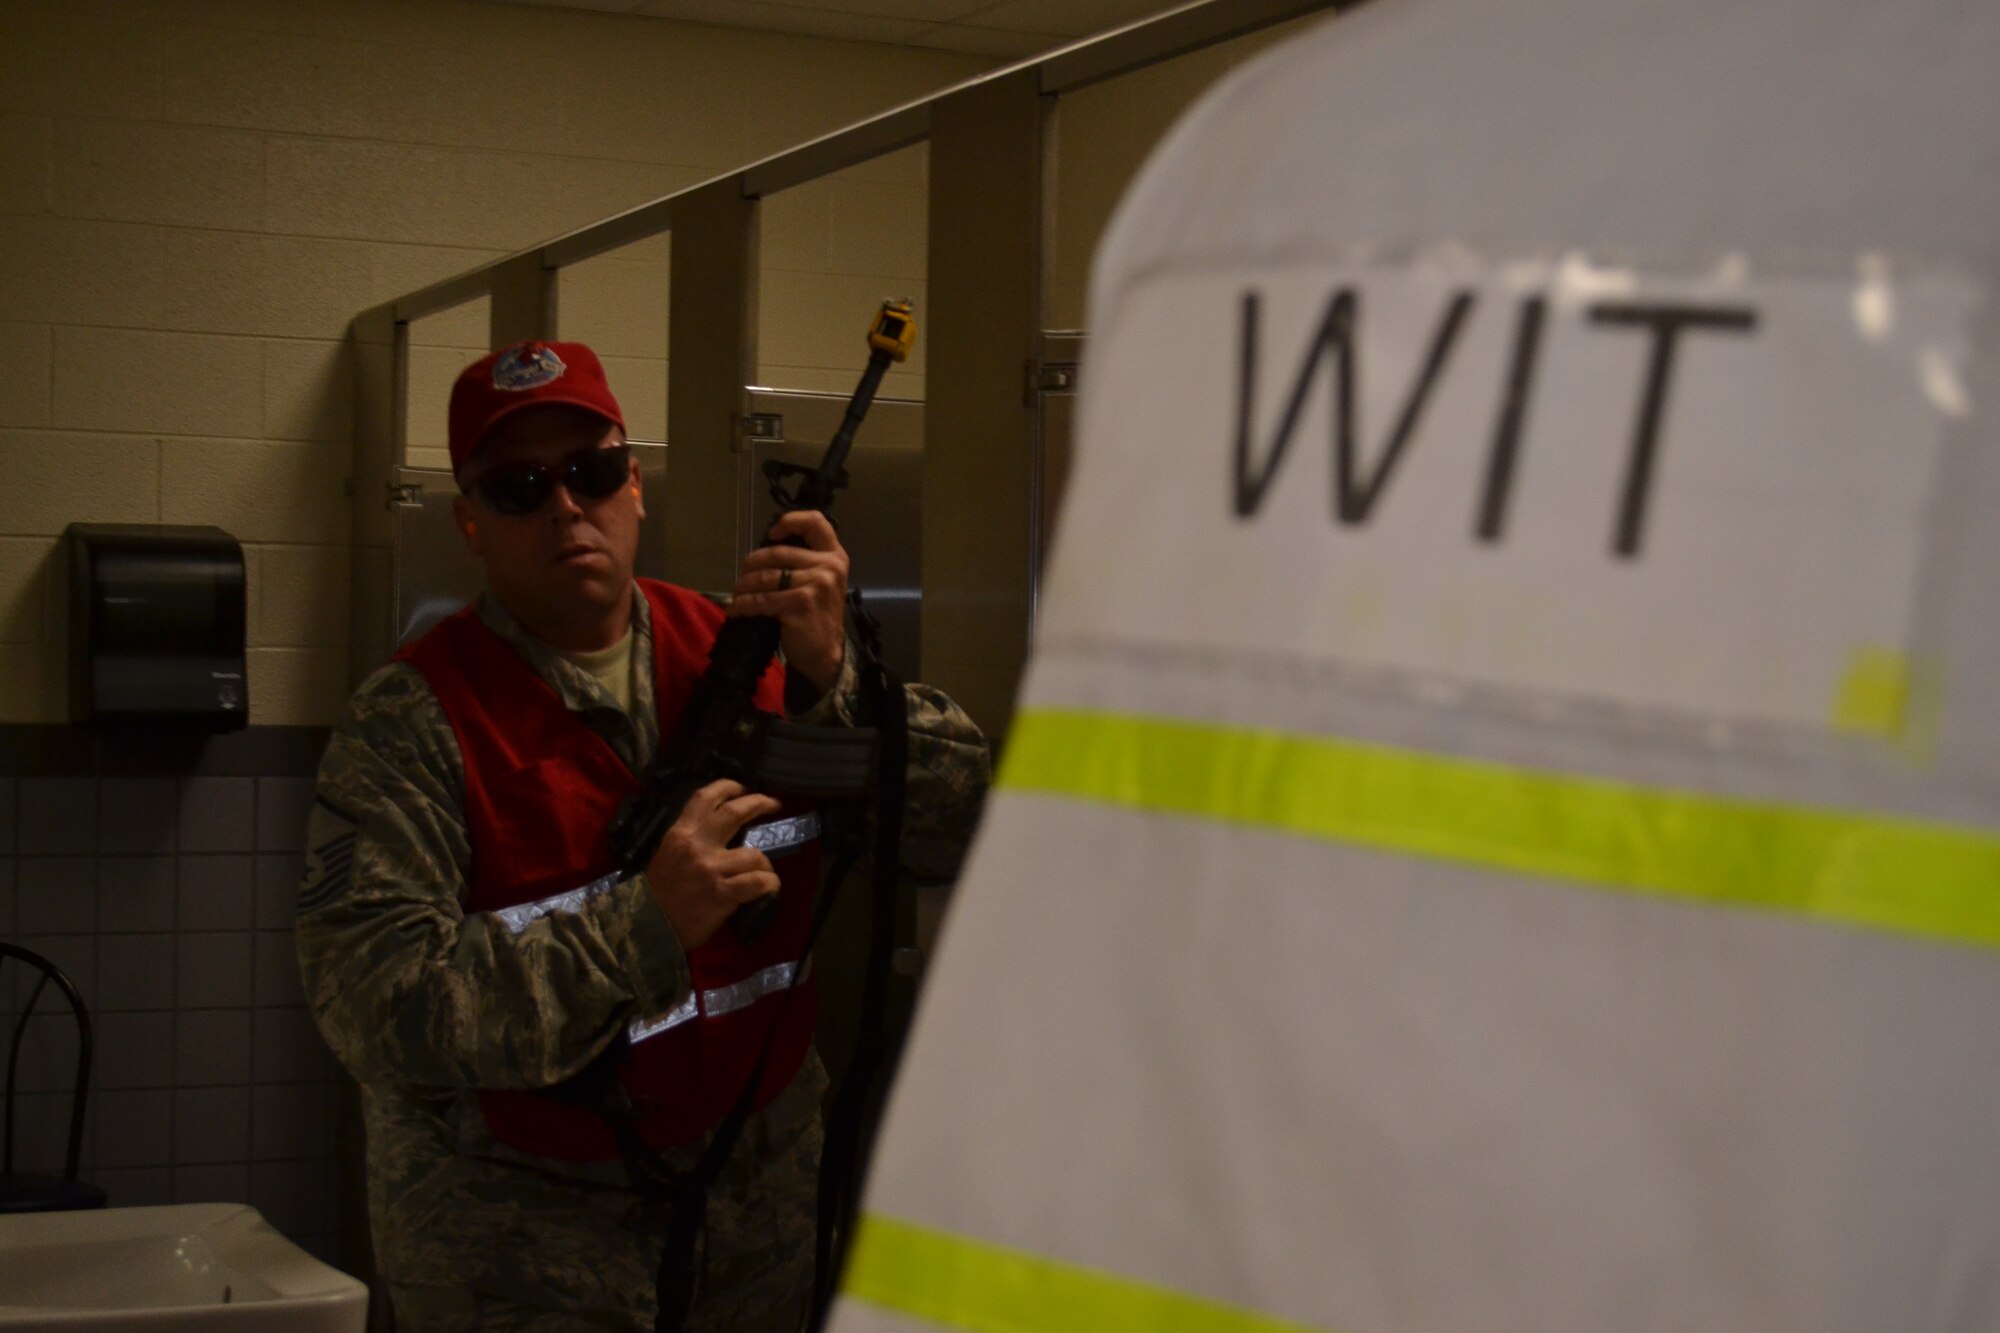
x=721, y=732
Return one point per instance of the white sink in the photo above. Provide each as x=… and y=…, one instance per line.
x=159, y=1270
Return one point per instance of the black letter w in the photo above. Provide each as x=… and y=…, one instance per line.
x=1334, y=339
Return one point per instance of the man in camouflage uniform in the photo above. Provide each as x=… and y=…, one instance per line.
x=424, y=1001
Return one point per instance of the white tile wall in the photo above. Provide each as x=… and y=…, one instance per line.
x=196, y=196
x=168, y=902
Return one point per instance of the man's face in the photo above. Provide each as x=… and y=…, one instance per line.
x=564, y=568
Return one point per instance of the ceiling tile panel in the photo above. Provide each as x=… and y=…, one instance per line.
x=1072, y=18
x=986, y=41
x=599, y=6
x=923, y=11
x=804, y=19
x=999, y=29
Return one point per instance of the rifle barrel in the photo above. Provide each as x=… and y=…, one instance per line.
x=857, y=408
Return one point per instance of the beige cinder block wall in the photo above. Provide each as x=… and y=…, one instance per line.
x=829, y=251
x=196, y=196
x=1103, y=135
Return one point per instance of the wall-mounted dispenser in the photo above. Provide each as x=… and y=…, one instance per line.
x=156, y=625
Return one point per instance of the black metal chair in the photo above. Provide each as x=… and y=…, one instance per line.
x=48, y=1194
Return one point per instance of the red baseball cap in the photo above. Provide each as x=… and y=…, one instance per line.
x=525, y=375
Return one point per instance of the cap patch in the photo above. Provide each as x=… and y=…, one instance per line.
x=528, y=366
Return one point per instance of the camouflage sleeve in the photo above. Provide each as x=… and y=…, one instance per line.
x=950, y=768
x=408, y=987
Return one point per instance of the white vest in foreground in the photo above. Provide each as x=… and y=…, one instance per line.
x=1503, y=827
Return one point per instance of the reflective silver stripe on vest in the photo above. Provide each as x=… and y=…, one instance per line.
x=722, y=1000
x=742, y=994
x=782, y=834
x=779, y=835
x=643, y=1028
x=518, y=917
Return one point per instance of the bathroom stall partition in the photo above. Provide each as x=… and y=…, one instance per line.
x=997, y=388
x=954, y=498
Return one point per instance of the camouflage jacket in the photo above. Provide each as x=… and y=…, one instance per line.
x=423, y=1002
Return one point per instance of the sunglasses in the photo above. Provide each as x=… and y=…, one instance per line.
x=522, y=488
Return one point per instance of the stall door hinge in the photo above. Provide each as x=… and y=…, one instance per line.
x=1049, y=377
x=768, y=427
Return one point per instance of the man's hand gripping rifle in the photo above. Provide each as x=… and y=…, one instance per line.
x=721, y=732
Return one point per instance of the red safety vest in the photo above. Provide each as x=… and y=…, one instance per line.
x=540, y=790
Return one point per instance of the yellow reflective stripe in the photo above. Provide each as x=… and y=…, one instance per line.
x=1861, y=869
x=957, y=1282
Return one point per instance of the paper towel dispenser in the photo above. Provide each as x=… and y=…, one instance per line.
x=156, y=625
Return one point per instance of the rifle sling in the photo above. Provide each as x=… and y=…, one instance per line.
x=843, y=1165
x=828, y=763
x=683, y=1196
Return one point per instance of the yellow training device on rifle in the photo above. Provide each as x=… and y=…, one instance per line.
x=894, y=330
